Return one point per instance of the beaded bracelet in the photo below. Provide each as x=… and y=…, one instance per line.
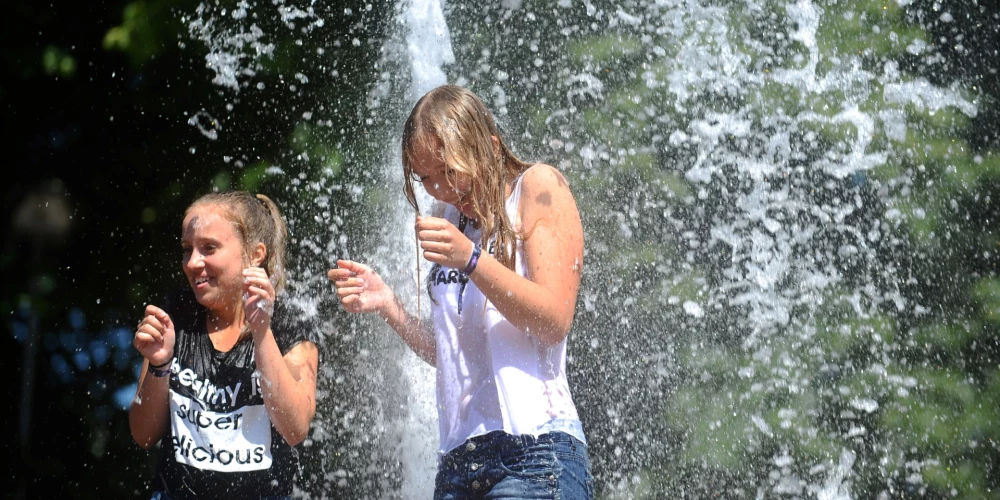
x=471, y=266
x=160, y=370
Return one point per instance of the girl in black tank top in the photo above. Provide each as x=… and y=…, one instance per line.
x=228, y=386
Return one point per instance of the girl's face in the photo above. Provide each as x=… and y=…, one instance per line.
x=213, y=258
x=441, y=181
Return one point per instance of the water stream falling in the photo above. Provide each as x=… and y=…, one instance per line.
x=754, y=181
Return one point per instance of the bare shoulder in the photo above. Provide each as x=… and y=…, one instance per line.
x=546, y=198
x=542, y=176
x=544, y=187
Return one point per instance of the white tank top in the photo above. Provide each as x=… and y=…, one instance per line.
x=490, y=375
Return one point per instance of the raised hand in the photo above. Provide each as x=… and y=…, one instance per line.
x=258, y=299
x=359, y=287
x=443, y=243
x=154, y=337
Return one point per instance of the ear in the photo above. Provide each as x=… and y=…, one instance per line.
x=257, y=254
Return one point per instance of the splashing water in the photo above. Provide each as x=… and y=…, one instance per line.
x=428, y=44
x=753, y=182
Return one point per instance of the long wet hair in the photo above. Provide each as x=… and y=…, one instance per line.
x=465, y=128
x=256, y=219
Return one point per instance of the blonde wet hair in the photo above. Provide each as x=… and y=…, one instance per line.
x=466, y=130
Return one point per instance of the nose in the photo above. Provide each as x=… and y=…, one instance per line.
x=194, y=260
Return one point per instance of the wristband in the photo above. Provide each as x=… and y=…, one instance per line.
x=473, y=260
x=160, y=370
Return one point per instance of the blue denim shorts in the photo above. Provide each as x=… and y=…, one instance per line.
x=498, y=466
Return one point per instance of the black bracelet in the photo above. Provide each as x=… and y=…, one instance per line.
x=160, y=370
x=157, y=367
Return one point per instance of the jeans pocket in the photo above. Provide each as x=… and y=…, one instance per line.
x=538, y=461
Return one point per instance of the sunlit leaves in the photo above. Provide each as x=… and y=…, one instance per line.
x=223, y=181
x=58, y=63
x=253, y=176
x=142, y=31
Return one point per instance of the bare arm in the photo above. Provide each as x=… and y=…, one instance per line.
x=148, y=415
x=288, y=384
x=361, y=289
x=542, y=303
x=411, y=330
x=149, y=412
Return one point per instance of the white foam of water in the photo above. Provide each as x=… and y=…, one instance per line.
x=428, y=44
x=693, y=309
x=836, y=486
x=206, y=124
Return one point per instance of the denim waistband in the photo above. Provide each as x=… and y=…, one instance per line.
x=572, y=427
x=499, y=440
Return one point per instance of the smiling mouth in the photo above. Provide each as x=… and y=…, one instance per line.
x=200, y=281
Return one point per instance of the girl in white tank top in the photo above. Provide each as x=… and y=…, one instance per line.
x=508, y=257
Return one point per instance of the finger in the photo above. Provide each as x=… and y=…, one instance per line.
x=161, y=316
x=149, y=334
x=433, y=235
x=348, y=291
x=152, y=310
x=141, y=340
x=433, y=246
x=431, y=223
x=153, y=322
x=349, y=281
x=259, y=282
x=355, y=287
x=155, y=333
x=339, y=274
x=168, y=323
x=259, y=292
x=434, y=257
x=352, y=266
x=146, y=337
